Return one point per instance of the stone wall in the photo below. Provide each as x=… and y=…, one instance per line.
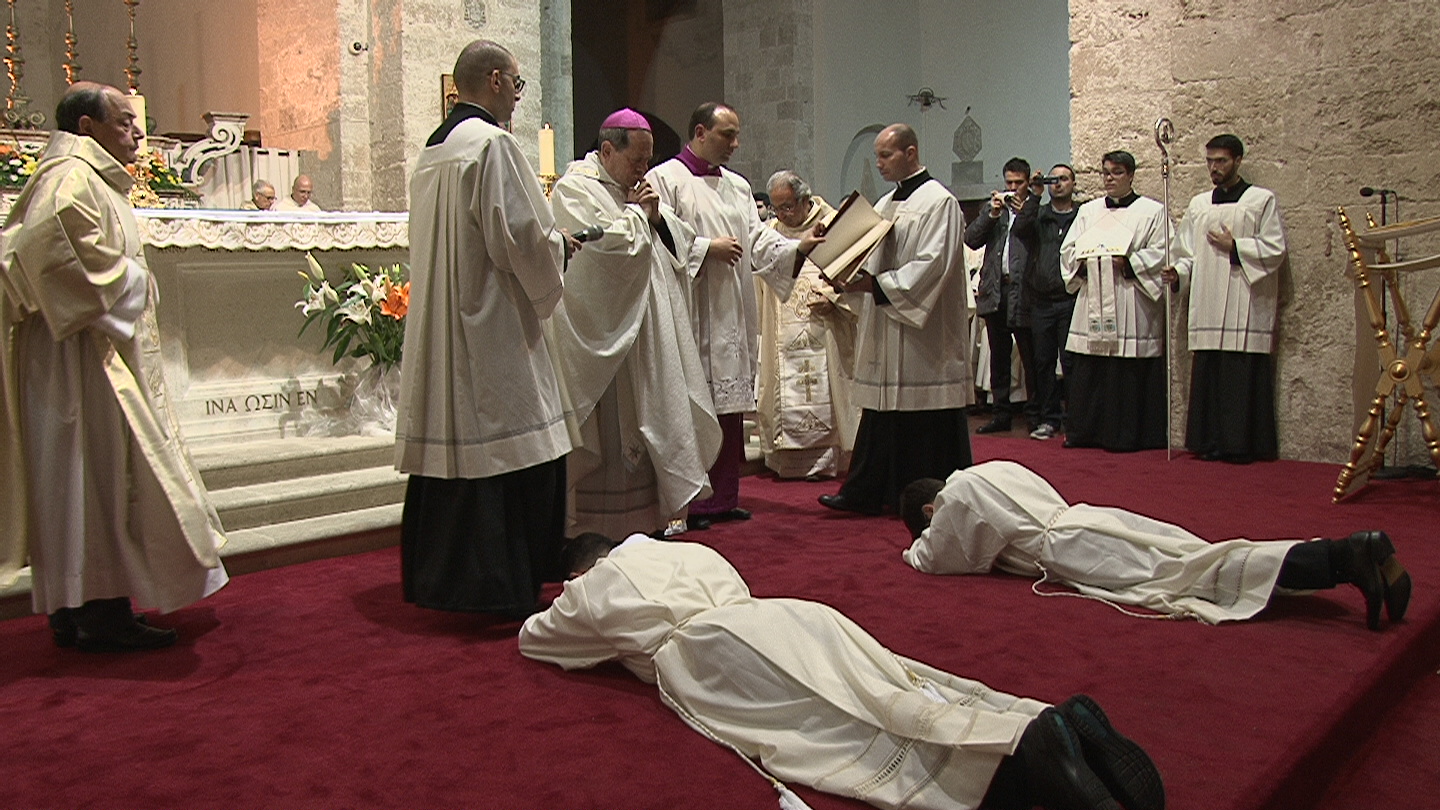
x=769, y=77
x=1328, y=97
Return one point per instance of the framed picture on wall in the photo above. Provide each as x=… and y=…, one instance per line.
x=448, y=95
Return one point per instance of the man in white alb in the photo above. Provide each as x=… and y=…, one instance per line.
x=913, y=376
x=96, y=485
x=299, y=199
x=1229, y=252
x=481, y=425
x=1001, y=515
x=817, y=700
x=807, y=354
x=627, y=352
x=732, y=248
x=1113, y=257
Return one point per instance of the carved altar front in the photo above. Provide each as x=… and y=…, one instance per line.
x=234, y=362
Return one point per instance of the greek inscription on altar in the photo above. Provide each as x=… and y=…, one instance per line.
x=254, y=403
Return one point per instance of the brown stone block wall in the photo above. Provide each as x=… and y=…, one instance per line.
x=1328, y=97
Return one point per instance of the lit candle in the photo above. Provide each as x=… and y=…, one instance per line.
x=547, y=150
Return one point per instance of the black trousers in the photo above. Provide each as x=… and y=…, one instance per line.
x=1003, y=337
x=1232, y=406
x=1049, y=329
x=893, y=448
x=483, y=544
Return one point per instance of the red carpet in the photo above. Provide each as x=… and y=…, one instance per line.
x=316, y=686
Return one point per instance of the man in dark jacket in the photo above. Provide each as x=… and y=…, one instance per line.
x=1000, y=299
x=1050, y=306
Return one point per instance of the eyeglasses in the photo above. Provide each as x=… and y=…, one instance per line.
x=786, y=208
x=519, y=82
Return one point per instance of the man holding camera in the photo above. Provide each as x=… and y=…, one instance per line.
x=1050, y=304
x=1000, y=299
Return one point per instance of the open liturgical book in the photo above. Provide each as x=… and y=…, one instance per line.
x=850, y=234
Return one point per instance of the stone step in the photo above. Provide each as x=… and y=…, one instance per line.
x=292, y=499
x=239, y=464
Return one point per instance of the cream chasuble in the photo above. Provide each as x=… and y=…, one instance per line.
x=478, y=394
x=1001, y=515
x=1232, y=308
x=97, y=484
x=913, y=354
x=792, y=683
x=807, y=356
x=1114, y=315
x=723, y=310
x=628, y=362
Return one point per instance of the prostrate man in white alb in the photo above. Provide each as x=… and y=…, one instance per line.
x=95, y=482
x=817, y=700
x=912, y=355
x=299, y=199
x=627, y=352
x=1230, y=249
x=1001, y=515
x=732, y=248
x=481, y=427
x=807, y=353
x=1113, y=258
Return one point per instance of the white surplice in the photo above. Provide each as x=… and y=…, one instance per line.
x=1232, y=308
x=478, y=393
x=723, y=310
x=807, y=357
x=628, y=362
x=97, y=484
x=792, y=683
x=913, y=354
x=1114, y=315
x=1002, y=515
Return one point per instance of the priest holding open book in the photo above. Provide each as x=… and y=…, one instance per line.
x=912, y=378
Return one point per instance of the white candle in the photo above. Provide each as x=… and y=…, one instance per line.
x=547, y=150
x=137, y=103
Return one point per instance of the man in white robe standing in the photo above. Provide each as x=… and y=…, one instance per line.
x=913, y=376
x=481, y=427
x=627, y=353
x=1002, y=515
x=96, y=484
x=732, y=248
x=807, y=354
x=817, y=700
x=1113, y=257
x=1229, y=253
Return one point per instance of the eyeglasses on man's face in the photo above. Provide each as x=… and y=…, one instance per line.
x=519, y=82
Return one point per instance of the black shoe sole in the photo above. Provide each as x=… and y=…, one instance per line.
x=1119, y=762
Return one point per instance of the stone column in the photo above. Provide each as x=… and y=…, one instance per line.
x=770, y=78
x=555, y=75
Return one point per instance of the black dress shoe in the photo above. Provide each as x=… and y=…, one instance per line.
x=1395, y=580
x=843, y=504
x=1353, y=562
x=1055, y=767
x=1124, y=767
x=64, y=630
x=996, y=425
x=698, y=522
x=134, y=638
x=730, y=514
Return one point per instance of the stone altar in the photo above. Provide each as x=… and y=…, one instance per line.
x=234, y=362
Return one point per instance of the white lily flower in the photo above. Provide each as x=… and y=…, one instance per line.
x=356, y=310
x=315, y=271
x=328, y=293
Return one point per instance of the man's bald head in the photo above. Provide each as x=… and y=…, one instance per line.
x=475, y=64
x=487, y=74
x=101, y=112
x=897, y=152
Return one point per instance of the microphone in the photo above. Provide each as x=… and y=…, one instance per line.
x=1367, y=191
x=588, y=234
